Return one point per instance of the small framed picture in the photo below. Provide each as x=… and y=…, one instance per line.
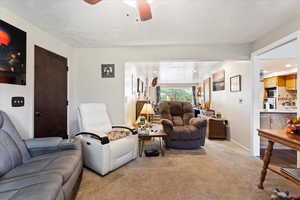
x=235, y=83
x=108, y=70
x=138, y=90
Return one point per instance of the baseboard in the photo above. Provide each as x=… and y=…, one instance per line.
x=240, y=145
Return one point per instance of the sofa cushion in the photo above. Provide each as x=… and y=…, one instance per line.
x=94, y=118
x=198, y=122
x=178, y=121
x=176, y=108
x=46, y=187
x=165, y=111
x=185, y=133
x=187, y=107
x=116, y=135
x=7, y=126
x=10, y=156
x=187, y=117
x=63, y=163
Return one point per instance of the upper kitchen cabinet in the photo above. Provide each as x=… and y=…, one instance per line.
x=274, y=82
x=291, y=82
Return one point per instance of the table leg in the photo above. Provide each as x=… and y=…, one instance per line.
x=141, y=147
x=267, y=158
x=161, y=146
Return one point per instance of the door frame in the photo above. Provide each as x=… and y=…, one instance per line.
x=34, y=90
x=258, y=86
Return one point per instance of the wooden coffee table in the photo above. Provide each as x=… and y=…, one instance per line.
x=142, y=138
x=280, y=137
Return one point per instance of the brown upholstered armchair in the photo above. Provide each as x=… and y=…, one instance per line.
x=184, y=131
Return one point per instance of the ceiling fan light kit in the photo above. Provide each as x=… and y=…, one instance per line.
x=92, y=1
x=144, y=10
x=143, y=7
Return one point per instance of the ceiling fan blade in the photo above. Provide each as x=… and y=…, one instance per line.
x=92, y=1
x=144, y=10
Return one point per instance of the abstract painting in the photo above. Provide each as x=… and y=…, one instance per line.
x=12, y=54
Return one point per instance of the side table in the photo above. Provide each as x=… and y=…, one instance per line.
x=143, y=137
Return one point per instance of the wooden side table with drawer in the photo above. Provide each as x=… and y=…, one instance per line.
x=217, y=128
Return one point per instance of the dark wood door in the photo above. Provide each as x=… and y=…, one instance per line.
x=51, y=83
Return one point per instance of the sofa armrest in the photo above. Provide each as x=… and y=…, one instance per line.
x=43, y=142
x=198, y=122
x=132, y=130
x=40, y=146
x=167, y=125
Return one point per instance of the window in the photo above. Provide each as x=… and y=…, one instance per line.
x=177, y=94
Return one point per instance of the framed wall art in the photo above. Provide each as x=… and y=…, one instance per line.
x=12, y=54
x=235, y=83
x=108, y=70
x=219, y=80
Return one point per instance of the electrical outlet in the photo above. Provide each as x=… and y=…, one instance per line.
x=17, y=101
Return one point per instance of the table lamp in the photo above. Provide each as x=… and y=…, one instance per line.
x=147, y=110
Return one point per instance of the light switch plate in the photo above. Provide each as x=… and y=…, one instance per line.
x=17, y=101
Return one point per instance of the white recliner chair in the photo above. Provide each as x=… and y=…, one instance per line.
x=100, y=154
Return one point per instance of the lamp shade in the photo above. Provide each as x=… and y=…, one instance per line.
x=147, y=109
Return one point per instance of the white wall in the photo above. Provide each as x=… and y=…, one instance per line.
x=228, y=103
x=23, y=117
x=130, y=93
x=281, y=31
x=257, y=87
x=92, y=88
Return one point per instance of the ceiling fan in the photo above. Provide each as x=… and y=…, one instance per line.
x=143, y=7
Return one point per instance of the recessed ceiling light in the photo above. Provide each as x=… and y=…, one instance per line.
x=288, y=65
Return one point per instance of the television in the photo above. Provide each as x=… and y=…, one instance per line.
x=12, y=54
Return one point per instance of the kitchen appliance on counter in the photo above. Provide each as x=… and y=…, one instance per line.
x=271, y=92
x=270, y=104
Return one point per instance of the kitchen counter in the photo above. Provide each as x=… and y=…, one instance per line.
x=276, y=119
x=278, y=111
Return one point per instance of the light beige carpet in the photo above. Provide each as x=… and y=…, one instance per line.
x=224, y=171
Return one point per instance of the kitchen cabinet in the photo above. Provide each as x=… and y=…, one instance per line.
x=291, y=82
x=277, y=81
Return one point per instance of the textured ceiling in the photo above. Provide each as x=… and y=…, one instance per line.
x=175, y=22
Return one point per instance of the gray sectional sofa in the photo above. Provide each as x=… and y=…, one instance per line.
x=37, y=169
